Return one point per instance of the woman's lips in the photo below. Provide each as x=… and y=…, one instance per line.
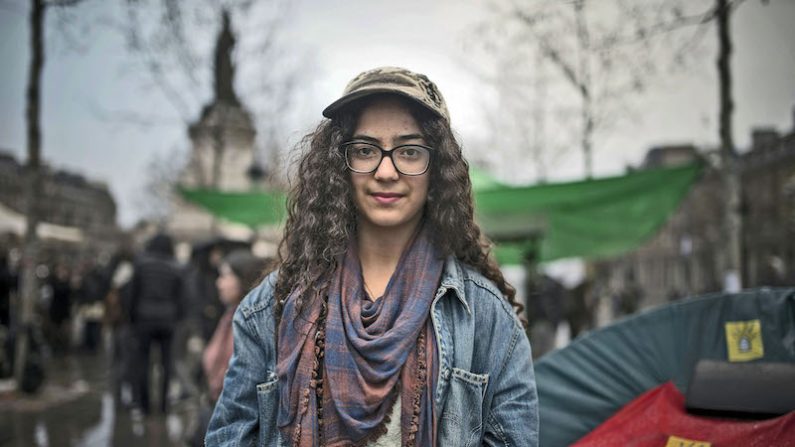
x=386, y=198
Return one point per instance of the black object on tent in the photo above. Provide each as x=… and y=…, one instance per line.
x=584, y=384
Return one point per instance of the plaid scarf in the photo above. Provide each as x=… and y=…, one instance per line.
x=362, y=352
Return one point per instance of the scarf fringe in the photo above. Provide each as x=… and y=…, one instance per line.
x=315, y=381
x=416, y=406
x=380, y=429
x=317, y=370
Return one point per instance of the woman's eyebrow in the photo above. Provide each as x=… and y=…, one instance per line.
x=412, y=136
x=366, y=138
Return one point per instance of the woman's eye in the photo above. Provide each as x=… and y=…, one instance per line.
x=364, y=151
x=409, y=152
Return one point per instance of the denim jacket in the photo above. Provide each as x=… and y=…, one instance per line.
x=486, y=392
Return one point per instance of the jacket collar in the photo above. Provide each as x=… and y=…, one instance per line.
x=453, y=279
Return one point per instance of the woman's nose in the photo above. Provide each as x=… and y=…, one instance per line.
x=386, y=170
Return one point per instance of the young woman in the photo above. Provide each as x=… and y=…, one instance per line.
x=387, y=322
x=236, y=275
x=238, y=271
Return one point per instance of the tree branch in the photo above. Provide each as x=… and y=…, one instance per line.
x=553, y=55
x=142, y=120
x=666, y=27
x=142, y=48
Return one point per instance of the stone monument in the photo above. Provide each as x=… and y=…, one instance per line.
x=222, y=141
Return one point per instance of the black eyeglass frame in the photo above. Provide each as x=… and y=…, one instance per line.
x=384, y=153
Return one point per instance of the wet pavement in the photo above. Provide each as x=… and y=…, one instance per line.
x=76, y=407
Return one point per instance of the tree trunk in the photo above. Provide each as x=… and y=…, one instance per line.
x=732, y=279
x=584, y=41
x=539, y=127
x=29, y=286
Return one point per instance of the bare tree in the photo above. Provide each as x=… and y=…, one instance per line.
x=519, y=119
x=589, y=69
x=157, y=197
x=33, y=171
x=607, y=60
x=731, y=173
x=592, y=56
x=720, y=13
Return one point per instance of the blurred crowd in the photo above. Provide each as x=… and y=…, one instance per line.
x=147, y=310
x=147, y=305
x=557, y=314
x=166, y=326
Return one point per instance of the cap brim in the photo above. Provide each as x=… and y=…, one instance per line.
x=352, y=97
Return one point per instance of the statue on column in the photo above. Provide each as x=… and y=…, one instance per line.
x=224, y=69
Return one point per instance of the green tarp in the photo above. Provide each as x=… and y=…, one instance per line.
x=482, y=181
x=258, y=208
x=591, y=218
x=585, y=383
x=255, y=208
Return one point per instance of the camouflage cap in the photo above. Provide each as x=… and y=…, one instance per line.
x=414, y=86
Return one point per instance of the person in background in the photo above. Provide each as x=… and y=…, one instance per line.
x=8, y=283
x=155, y=309
x=201, y=294
x=91, y=304
x=117, y=321
x=60, y=311
x=545, y=311
x=238, y=272
x=630, y=296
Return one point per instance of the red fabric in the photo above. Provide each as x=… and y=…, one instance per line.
x=650, y=419
x=215, y=359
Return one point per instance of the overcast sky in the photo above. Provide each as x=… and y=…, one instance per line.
x=346, y=37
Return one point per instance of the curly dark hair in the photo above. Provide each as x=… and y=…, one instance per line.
x=322, y=215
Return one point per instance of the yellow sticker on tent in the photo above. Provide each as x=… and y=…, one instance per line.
x=675, y=441
x=744, y=340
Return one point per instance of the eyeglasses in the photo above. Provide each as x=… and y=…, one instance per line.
x=364, y=157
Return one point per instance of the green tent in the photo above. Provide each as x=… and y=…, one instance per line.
x=585, y=383
x=591, y=218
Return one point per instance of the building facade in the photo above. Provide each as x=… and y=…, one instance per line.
x=77, y=214
x=686, y=257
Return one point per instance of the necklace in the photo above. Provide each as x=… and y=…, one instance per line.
x=369, y=292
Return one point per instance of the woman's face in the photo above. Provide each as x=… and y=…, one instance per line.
x=229, y=289
x=387, y=199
